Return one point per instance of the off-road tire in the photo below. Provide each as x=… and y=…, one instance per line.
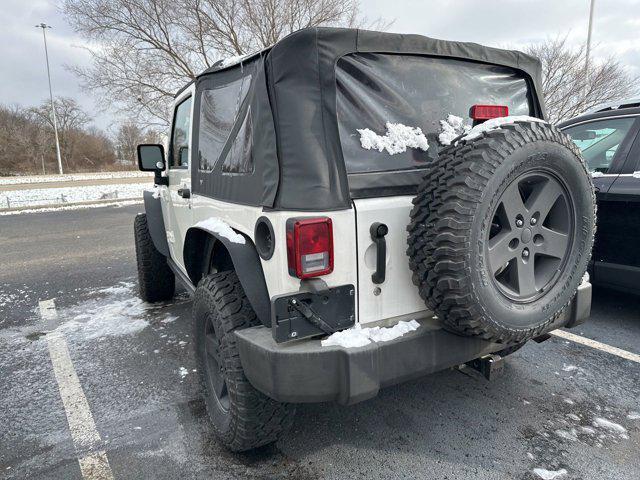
x=451, y=221
x=251, y=419
x=156, y=281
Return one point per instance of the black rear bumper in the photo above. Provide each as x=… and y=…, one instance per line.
x=304, y=371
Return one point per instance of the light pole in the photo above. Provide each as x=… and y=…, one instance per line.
x=586, y=60
x=44, y=27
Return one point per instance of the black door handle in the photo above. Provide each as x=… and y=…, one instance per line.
x=378, y=231
x=184, y=192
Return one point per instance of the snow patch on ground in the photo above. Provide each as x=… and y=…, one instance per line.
x=549, y=474
x=636, y=174
x=59, y=196
x=608, y=425
x=569, y=368
x=633, y=416
x=452, y=128
x=495, y=123
x=183, y=372
x=71, y=177
x=359, y=337
x=222, y=228
x=397, y=139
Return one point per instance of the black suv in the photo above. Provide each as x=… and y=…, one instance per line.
x=609, y=138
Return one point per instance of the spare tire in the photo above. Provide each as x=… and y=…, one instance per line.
x=501, y=231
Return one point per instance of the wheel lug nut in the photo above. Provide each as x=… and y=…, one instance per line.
x=519, y=223
x=533, y=221
x=525, y=253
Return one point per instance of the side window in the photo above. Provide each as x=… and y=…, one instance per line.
x=599, y=140
x=180, y=135
x=218, y=113
x=239, y=160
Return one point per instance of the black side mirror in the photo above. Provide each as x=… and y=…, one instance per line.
x=151, y=157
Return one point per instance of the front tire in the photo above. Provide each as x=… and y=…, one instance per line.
x=243, y=418
x=156, y=281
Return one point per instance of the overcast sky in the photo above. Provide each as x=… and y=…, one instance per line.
x=502, y=23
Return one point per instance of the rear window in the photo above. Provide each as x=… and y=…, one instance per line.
x=417, y=91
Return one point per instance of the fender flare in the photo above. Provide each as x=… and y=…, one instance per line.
x=247, y=265
x=155, y=222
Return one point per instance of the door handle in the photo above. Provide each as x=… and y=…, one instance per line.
x=378, y=231
x=184, y=192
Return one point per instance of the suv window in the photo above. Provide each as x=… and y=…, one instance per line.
x=181, y=135
x=599, y=140
x=218, y=110
x=417, y=91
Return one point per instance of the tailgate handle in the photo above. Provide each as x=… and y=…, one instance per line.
x=378, y=232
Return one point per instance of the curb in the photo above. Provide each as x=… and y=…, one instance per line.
x=70, y=204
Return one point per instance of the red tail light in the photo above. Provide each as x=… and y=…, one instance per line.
x=309, y=246
x=485, y=112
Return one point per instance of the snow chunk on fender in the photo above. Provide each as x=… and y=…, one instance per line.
x=397, y=139
x=496, y=123
x=452, y=128
x=222, y=228
x=359, y=337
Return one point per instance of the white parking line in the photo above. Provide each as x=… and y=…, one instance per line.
x=634, y=357
x=94, y=464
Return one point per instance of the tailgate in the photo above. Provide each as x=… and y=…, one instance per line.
x=397, y=295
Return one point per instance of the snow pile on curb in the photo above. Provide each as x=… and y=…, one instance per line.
x=18, y=179
x=59, y=196
x=549, y=474
x=397, y=139
x=222, y=228
x=359, y=337
x=496, y=123
x=452, y=128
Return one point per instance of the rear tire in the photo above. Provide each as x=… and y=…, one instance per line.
x=156, y=281
x=243, y=418
x=493, y=192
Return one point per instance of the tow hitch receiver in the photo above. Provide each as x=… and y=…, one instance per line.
x=489, y=366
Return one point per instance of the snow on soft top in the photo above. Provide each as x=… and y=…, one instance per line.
x=227, y=62
x=549, y=474
x=495, y=123
x=397, y=139
x=452, y=127
x=222, y=228
x=359, y=337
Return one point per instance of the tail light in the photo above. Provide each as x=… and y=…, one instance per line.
x=309, y=246
x=485, y=112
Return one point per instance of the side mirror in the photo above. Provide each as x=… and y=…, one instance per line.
x=151, y=157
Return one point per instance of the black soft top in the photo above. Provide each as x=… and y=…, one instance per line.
x=296, y=144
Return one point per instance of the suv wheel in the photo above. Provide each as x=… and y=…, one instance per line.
x=501, y=231
x=156, y=281
x=243, y=417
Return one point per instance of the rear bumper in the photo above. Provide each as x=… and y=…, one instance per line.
x=304, y=371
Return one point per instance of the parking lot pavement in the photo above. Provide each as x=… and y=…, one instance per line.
x=127, y=386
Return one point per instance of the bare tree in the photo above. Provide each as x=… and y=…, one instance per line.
x=568, y=89
x=71, y=118
x=145, y=50
x=127, y=138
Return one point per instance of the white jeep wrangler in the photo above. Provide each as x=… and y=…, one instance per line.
x=328, y=259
